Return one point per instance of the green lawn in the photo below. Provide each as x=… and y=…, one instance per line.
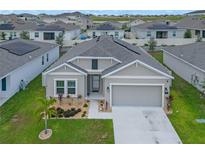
x=26, y=127
x=187, y=106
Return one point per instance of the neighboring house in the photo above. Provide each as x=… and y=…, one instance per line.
x=49, y=32
x=188, y=61
x=196, y=13
x=195, y=24
x=21, y=61
x=109, y=69
x=106, y=29
x=40, y=32
x=27, y=17
x=135, y=23
x=157, y=30
x=114, y=24
x=70, y=18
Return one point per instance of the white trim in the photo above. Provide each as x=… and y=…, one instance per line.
x=184, y=61
x=137, y=61
x=137, y=84
x=137, y=77
x=64, y=73
x=53, y=69
x=89, y=57
x=94, y=71
x=65, y=86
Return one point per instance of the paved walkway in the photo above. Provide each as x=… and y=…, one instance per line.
x=135, y=125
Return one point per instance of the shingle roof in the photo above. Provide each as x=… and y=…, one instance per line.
x=10, y=62
x=155, y=25
x=192, y=53
x=191, y=23
x=106, y=46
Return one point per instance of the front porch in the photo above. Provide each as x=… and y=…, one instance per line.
x=95, y=96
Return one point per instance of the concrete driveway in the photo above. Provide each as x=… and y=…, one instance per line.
x=134, y=125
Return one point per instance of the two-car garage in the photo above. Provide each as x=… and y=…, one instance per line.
x=136, y=95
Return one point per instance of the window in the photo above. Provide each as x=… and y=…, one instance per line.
x=36, y=34
x=203, y=34
x=148, y=34
x=71, y=87
x=47, y=57
x=116, y=34
x=197, y=32
x=49, y=36
x=14, y=34
x=3, y=83
x=94, y=64
x=174, y=33
x=42, y=60
x=60, y=87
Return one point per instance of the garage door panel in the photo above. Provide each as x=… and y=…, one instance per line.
x=126, y=95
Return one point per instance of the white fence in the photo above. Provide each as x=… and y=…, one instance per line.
x=172, y=41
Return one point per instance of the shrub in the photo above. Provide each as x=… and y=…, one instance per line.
x=85, y=105
x=72, y=109
x=152, y=44
x=69, y=113
x=187, y=34
x=59, y=111
x=78, y=110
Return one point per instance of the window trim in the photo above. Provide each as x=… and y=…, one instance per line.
x=71, y=87
x=66, y=86
x=36, y=35
x=59, y=87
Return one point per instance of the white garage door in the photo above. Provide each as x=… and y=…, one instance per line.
x=131, y=95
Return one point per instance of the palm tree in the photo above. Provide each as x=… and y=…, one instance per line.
x=48, y=111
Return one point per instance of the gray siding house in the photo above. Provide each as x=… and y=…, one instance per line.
x=188, y=61
x=20, y=62
x=109, y=69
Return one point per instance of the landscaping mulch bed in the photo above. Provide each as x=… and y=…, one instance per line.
x=103, y=107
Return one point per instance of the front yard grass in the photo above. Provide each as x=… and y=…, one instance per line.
x=20, y=122
x=187, y=107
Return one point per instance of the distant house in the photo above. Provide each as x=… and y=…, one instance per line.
x=114, y=24
x=109, y=69
x=106, y=29
x=157, y=30
x=135, y=23
x=196, y=13
x=188, y=61
x=195, y=24
x=20, y=62
x=70, y=18
x=39, y=32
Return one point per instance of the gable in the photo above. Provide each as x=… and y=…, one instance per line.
x=136, y=70
x=64, y=69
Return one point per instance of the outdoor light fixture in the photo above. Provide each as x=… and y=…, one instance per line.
x=108, y=89
x=166, y=92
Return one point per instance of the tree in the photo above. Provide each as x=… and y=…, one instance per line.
x=60, y=39
x=48, y=111
x=3, y=35
x=187, y=34
x=24, y=35
x=152, y=44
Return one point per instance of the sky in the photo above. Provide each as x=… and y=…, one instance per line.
x=101, y=12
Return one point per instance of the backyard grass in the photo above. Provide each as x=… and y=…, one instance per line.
x=187, y=107
x=20, y=122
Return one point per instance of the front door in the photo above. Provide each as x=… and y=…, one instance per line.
x=95, y=83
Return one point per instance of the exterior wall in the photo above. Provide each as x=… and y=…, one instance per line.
x=128, y=75
x=10, y=33
x=87, y=63
x=29, y=71
x=142, y=33
x=182, y=69
x=109, y=32
x=81, y=84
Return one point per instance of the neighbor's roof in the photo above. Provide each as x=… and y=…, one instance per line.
x=106, y=46
x=198, y=11
x=105, y=26
x=10, y=61
x=191, y=23
x=56, y=26
x=155, y=25
x=192, y=53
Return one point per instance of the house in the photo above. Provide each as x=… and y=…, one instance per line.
x=40, y=32
x=135, y=22
x=157, y=30
x=109, y=69
x=196, y=13
x=114, y=24
x=195, y=24
x=75, y=18
x=106, y=29
x=188, y=61
x=21, y=61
